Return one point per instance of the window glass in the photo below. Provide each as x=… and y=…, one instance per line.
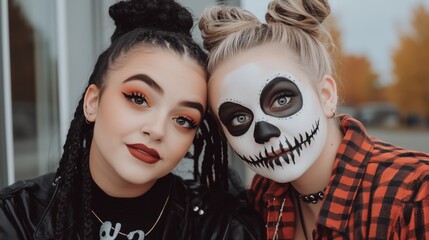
x=3, y=167
x=33, y=65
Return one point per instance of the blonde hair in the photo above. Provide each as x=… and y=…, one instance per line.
x=293, y=24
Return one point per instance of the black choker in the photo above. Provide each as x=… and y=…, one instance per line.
x=312, y=197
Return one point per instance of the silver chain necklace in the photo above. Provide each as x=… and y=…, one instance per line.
x=107, y=226
x=276, y=234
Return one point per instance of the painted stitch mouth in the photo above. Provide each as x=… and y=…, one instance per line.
x=285, y=153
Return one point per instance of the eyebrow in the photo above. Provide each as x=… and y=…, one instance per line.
x=195, y=105
x=146, y=79
x=149, y=81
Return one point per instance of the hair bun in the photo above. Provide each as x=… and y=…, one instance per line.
x=305, y=14
x=165, y=15
x=217, y=22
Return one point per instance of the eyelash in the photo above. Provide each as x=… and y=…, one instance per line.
x=136, y=95
x=192, y=123
x=283, y=95
x=235, y=116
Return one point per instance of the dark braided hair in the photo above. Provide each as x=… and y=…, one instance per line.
x=151, y=23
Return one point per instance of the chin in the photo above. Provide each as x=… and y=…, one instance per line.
x=280, y=175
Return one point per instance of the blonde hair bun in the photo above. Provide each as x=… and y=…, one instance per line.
x=217, y=23
x=304, y=14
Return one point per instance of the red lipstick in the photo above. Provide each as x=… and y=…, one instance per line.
x=143, y=153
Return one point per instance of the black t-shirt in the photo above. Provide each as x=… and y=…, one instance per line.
x=139, y=213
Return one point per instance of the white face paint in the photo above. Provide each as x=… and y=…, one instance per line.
x=273, y=120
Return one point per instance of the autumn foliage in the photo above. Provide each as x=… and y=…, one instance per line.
x=357, y=81
x=360, y=80
x=410, y=91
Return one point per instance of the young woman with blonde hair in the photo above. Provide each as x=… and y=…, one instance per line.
x=319, y=174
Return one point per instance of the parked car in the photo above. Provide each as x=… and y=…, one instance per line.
x=382, y=114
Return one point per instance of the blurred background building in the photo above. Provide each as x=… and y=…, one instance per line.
x=48, y=49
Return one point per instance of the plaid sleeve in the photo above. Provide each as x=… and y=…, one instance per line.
x=415, y=224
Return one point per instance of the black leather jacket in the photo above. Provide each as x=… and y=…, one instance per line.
x=25, y=213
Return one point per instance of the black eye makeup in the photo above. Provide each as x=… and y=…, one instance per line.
x=137, y=98
x=185, y=122
x=235, y=117
x=281, y=98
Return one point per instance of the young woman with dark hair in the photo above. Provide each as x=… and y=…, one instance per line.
x=145, y=104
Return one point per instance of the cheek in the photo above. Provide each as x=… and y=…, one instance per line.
x=113, y=114
x=242, y=144
x=113, y=118
x=179, y=143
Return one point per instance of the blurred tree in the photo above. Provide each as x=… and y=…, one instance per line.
x=336, y=50
x=410, y=91
x=357, y=81
x=360, y=81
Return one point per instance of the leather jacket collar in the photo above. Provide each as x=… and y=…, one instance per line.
x=179, y=199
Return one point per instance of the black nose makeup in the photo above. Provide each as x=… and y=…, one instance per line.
x=265, y=131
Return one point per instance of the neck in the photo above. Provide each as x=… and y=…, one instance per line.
x=317, y=177
x=113, y=185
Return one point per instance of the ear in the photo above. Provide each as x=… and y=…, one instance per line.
x=90, y=102
x=328, y=95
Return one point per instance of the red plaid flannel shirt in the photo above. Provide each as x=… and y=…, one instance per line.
x=376, y=191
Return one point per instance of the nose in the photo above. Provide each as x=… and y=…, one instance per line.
x=264, y=132
x=155, y=127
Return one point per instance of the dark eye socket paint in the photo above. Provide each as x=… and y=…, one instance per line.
x=281, y=87
x=229, y=111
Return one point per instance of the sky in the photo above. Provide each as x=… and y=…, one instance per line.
x=368, y=27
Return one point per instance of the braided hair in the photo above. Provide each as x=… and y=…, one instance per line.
x=153, y=23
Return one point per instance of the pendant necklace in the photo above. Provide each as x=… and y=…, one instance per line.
x=107, y=226
x=301, y=218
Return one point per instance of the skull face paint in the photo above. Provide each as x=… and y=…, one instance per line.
x=273, y=120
